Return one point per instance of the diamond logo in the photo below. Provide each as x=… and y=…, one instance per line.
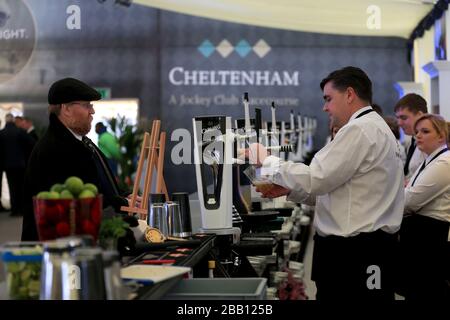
x=206, y=48
x=243, y=48
x=261, y=48
x=225, y=48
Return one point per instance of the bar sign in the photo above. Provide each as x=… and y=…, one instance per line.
x=104, y=92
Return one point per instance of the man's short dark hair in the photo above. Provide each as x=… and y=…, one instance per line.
x=9, y=117
x=350, y=77
x=413, y=102
x=100, y=125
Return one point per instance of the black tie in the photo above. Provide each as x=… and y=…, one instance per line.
x=411, y=149
x=106, y=179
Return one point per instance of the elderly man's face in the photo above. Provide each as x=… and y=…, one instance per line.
x=336, y=105
x=80, y=116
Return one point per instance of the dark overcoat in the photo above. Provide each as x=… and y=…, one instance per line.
x=57, y=156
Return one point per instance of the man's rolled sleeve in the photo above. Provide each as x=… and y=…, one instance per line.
x=301, y=197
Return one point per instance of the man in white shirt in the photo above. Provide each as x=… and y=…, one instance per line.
x=357, y=183
x=407, y=110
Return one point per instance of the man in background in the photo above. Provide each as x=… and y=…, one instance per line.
x=109, y=145
x=407, y=110
x=27, y=125
x=15, y=146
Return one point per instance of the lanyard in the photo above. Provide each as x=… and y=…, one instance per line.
x=424, y=164
x=364, y=113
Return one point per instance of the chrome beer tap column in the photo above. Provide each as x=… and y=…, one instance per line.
x=213, y=157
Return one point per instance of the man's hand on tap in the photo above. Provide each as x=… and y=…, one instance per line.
x=274, y=191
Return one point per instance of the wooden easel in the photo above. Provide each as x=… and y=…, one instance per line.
x=155, y=160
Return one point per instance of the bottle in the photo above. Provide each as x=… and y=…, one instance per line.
x=211, y=267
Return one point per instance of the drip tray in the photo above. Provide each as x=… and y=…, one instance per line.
x=219, y=289
x=259, y=216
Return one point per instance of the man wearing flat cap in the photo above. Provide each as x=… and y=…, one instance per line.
x=65, y=151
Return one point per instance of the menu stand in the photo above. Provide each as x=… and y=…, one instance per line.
x=153, y=148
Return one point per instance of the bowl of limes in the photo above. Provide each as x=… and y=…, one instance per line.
x=69, y=208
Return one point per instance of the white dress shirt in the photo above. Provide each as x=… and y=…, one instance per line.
x=357, y=179
x=76, y=135
x=416, y=161
x=430, y=195
x=402, y=152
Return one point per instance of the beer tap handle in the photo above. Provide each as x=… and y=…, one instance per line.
x=274, y=123
x=247, y=113
x=258, y=123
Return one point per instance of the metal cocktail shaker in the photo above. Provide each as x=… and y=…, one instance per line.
x=173, y=218
x=157, y=218
x=90, y=284
x=57, y=264
x=185, y=225
x=78, y=241
x=113, y=280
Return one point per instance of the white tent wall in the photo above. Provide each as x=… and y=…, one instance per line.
x=424, y=53
x=348, y=17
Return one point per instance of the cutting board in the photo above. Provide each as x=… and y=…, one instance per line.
x=150, y=274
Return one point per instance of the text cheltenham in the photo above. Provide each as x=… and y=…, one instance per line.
x=180, y=77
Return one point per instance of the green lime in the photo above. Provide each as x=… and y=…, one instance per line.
x=74, y=185
x=90, y=186
x=86, y=194
x=43, y=195
x=53, y=195
x=66, y=194
x=57, y=187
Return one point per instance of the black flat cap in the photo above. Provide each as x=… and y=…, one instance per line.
x=70, y=89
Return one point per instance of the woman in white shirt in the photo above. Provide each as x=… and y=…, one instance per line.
x=425, y=229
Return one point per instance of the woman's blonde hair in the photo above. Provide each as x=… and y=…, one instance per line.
x=439, y=124
x=448, y=128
